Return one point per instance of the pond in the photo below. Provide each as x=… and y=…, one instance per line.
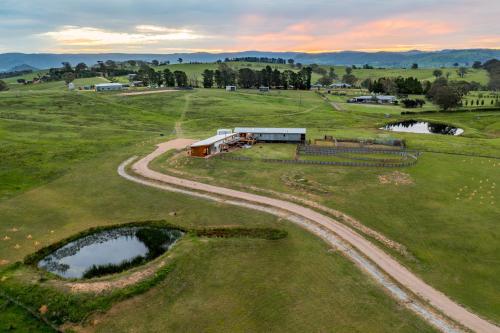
x=109, y=251
x=423, y=127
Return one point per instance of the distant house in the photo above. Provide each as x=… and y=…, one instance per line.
x=297, y=135
x=374, y=99
x=108, y=86
x=264, y=89
x=340, y=85
x=137, y=84
x=317, y=86
x=230, y=88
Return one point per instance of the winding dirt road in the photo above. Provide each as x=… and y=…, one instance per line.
x=384, y=261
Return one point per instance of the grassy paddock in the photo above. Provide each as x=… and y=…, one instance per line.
x=60, y=150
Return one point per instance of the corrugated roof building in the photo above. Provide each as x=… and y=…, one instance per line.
x=213, y=145
x=269, y=134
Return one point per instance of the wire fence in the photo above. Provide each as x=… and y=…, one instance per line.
x=408, y=157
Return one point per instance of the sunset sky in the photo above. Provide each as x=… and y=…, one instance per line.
x=164, y=26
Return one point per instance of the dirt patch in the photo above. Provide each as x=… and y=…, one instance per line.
x=102, y=286
x=300, y=181
x=396, y=178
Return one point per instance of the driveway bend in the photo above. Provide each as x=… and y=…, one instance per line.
x=384, y=261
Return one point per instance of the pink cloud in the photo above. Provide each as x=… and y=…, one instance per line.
x=395, y=34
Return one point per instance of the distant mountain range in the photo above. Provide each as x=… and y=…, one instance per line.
x=378, y=59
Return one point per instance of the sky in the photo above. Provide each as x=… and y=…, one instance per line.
x=167, y=26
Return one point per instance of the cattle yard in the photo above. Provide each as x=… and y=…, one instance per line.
x=326, y=151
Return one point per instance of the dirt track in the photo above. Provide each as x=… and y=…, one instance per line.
x=383, y=260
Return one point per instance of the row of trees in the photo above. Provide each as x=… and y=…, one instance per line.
x=149, y=76
x=249, y=78
x=261, y=59
x=394, y=86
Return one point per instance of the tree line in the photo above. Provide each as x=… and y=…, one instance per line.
x=249, y=78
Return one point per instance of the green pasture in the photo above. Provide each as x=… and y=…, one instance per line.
x=59, y=151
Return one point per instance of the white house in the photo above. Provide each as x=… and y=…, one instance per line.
x=230, y=88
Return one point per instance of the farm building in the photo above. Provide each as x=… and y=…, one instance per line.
x=214, y=144
x=340, y=85
x=108, y=86
x=317, y=86
x=264, y=89
x=230, y=88
x=272, y=134
x=381, y=99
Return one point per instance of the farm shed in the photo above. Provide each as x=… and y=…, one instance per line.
x=214, y=144
x=340, y=85
x=381, y=99
x=108, y=86
x=272, y=134
x=230, y=88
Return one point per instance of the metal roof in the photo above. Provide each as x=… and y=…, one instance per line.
x=213, y=139
x=110, y=84
x=375, y=96
x=270, y=130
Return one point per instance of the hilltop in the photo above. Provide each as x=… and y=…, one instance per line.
x=381, y=59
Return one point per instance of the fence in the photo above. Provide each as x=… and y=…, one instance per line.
x=410, y=158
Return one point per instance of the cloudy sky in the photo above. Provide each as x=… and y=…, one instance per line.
x=167, y=26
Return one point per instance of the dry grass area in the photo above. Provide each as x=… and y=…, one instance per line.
x=396, y=178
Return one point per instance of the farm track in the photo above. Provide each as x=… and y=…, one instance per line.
x=342, y=237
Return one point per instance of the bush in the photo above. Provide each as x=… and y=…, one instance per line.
x=264, y=233
x=3, y=86
x=413, y=103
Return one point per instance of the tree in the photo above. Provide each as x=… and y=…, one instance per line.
x=168, y=78
x=331, y=73
x=181, y=78
x=325, y=80
x=276, y=78
x=291, y=62
x=367, y=84
x=67, y=67
x=446, y=98
x=493, y=68
x=349, y=78
x=476, y=65
x=68, y=77
x=155, y=62
x=438, y=83
x=227, y=75
x=132, y=63
x=3, y=86
x=81, y=67
x=208, y=78
x=179, y=60
x=437, y=73
x=414, y=66
x=456, y=64
x=246, y=78
x=348, y=70
x=462, y=71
